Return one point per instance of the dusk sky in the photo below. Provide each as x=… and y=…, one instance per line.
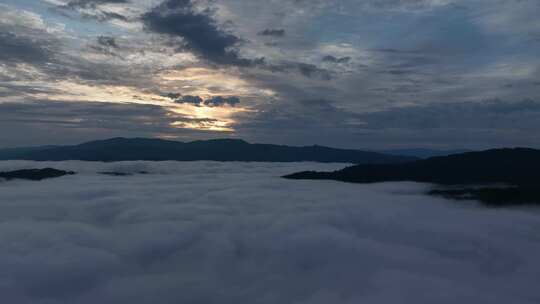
x=372, y=74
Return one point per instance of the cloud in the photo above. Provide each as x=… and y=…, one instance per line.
x=107, y=41
x=93, y=3
x=272, y=32
x=16, y=49
x=35, y=56
x=99, y=10
x=189, y=232
x=40, y=120
x=37, y=51
x=199, y=31
x=196, y=100
x=104, y=16
x=513, y=18
x=480, y=125
x=474, y=124
x=407, y=5
x=310, y=70
x=173, y=96
x=218, y=101
x=14, y=20
x=306, y=121
x=106, y=45
x=27, y=38
x=402, y=53
x=332, y=59
x=305, y=69
x=489, y=114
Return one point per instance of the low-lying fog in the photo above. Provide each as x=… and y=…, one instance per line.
x=209, y=232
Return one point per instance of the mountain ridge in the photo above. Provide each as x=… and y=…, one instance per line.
x=506, y=165
x=496, y=178
x=226, y=149
x=424, y=153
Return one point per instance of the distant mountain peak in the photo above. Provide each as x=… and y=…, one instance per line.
x=223, y=149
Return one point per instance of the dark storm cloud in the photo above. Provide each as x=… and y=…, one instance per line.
x=332, y=59
x=192, y=99
x=311, y=70
x=103, y=16
x=218, y=101
x=272, y=32
x=199, y=31
x=107, y=41
x=173, y=96
x=15, y=49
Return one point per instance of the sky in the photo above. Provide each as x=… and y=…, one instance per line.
x=189, y=232
x=362, y=74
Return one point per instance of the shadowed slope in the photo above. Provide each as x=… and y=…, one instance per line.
x=34, y=174
x=518, y=167
x=513, y=166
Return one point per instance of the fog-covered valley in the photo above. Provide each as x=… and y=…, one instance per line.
x=211, y=232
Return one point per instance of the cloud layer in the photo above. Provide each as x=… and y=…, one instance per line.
x=191, y=233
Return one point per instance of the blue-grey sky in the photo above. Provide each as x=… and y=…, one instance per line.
x=365, y=74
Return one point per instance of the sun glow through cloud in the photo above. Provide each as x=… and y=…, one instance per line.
x=201, y=82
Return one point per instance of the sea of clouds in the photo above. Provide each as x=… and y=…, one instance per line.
x=210, y=232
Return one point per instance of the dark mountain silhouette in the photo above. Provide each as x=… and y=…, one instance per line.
x=519, y=168
x=123, y=149
x=513, y=166
x=34, y=174
x=423, y=153
x=494, y=196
